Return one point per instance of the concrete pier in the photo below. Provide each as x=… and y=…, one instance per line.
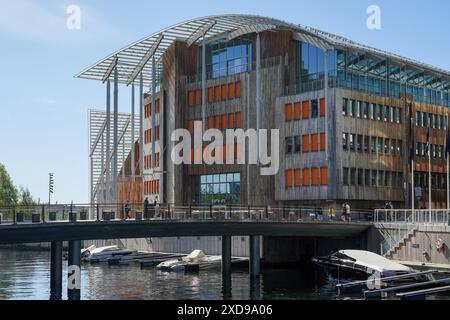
x=56, y=270
x=74, y=271
x=226, y=266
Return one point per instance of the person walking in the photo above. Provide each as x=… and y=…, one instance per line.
x=146, y=208
x=330, y=214
x=348, y=212
x=127, y=210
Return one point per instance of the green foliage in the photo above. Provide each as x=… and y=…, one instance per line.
x=8, y=192
x=25, y=197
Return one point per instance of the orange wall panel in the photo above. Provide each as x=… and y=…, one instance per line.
x=315, y=176
x=306, y=177
x=297, y=177
x=305, y=143
x=288, y=178
x=305, y=109
x=322, y=107
x=288, y=112
x=324, y=176
x=297, y=108
x=314, y=142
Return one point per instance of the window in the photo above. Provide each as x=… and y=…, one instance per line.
x=352, y=176
x=288, y=145
x=315, y=176
x=297, y=108
x=358, y=109
x=418, y=149
x=322, y=142
x=225, y=58
x=345, y=141
x=398, y=115
x=393, y=147
x=297, y=144
x=439, y=122
x=366, y=143
x=399, y=147
x=373, y=145
x=305, y=110
x=387, y=112
x=322, y=107
x=367, y=178
x=433, y=122
x=379, y=114
x=372, y=111
x=297, y=177
x=360, y=177
x=351, y=104
x=314, y=109
x=306, y=177
x=288, y=178
x=386, y=146
x=380, y=181
x=422, y=119
x=359, y=142
x=305, y=143
x=314, y=142
x=288, y=112
x=417, y=118
x=344, y=107
x=365, y=110
x=380, y=145
x=323, y=176
x=345, y=176
x=374, y=178
x=387, y=179
x=392, y=115
x=352, y=142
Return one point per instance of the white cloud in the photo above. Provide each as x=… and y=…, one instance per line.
x=29, y=19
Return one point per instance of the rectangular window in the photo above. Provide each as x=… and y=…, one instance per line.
x=399, y=115
x=288, y=145
x=345, y=176
x=288, y=178
x=367, y=178
x=358, y=109
x=387, y=179
x=372, y=111
x=374, y=178
x=379, y=112
x=323, y=176
x=322, y=107
x=380, y=181
x=305, y=143
x=352, y=176
x=366, y=143
x=351, y=141
x=365, y=112
x=306, y=177
x=314, y=109
x=399, y=147
x=314, y=142
x=297, y=178
x=344, y=107
x=392, y=115
x=393, y=147
x=380, y=145
x=297, y=110
x=359, y=143
x=322, y=142
x=345, y=141
x=305, y=110
x=315, y=176
x=231, y=90
x=211, y=94
x=288, y=112
x=351, y=104
x=237, y=120
x=386, y=146
x=417, y=118
x=373, y=145
x=387, y=112
x=360, y=177
x=297, y=144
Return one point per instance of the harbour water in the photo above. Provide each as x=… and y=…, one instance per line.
x=24, y=275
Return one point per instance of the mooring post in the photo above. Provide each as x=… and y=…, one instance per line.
x=255, y=258
x=226, y=267
x=74, y=270
x=56, y=259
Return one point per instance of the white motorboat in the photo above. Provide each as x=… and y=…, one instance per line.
x=193, y=262
x=103, y=254
x=359, y=263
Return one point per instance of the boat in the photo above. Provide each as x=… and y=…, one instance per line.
x=359, y=264
x=191, y=263
x=103, y=254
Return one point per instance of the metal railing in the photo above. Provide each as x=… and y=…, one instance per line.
x=172, y=212
x=421, y=217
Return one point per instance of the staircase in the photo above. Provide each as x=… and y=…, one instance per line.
x=390, y=254
x=396, y=236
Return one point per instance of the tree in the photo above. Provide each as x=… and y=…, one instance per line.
x=25, y=197
x=8, y=192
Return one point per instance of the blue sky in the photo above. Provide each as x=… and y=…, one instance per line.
x=43, y=109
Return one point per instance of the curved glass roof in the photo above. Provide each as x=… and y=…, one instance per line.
x=136, y=56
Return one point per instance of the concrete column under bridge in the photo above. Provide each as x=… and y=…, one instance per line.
x=255, y=256
x=56, y=258
x=226, y=267
x=74, y=271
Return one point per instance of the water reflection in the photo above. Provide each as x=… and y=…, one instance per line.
x=25, y=275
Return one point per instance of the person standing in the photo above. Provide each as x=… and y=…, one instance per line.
x=127, y=209
x=330, y=214
x=146, y=208
x=348, y=212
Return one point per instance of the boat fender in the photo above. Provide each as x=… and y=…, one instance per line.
x=439, y=244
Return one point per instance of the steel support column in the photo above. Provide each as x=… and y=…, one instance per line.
x=116, y=134
x=226, y=267
x=258, y=94
x=153, y=110
x=74, y=271
x=133, y=129
x=56, y=258
x=255, y=257
x=141, y=132
x=108, y=141
x=204, y=79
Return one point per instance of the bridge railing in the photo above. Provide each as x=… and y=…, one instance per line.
x=172, y=212
x=419, y=217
